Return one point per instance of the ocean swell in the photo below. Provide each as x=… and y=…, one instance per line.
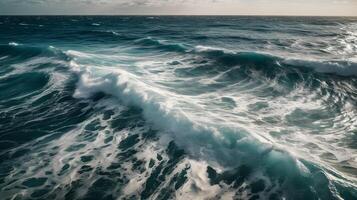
x=214, y=143
x=120, y=107
x=263, y=61
x=270, y=62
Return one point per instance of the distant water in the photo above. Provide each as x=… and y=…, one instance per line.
x=178, y=108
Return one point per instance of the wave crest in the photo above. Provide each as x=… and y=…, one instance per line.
x=267, y=61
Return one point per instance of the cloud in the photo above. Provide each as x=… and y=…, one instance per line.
x=227, y=7
x=112, y=2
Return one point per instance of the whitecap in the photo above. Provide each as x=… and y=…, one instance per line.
x=200, y=48
x=13, y=44
x=343, y=68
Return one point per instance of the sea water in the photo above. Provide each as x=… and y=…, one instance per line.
x=129, y=107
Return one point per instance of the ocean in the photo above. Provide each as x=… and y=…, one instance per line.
x=178, y=107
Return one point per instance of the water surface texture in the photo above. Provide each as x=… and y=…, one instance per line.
x=178, y=108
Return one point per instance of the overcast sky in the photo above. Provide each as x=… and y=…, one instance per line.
x=178, y=7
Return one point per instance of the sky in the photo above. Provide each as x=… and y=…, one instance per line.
x=179, y=7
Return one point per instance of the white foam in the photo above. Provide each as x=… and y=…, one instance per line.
x=344, y=68
x=3, y=57
x=201, y=48
x=13, y=44
x=160, y=107
x=204, y=130
x=198, y=178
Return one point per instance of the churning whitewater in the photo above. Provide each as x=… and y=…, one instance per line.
x=178, y=108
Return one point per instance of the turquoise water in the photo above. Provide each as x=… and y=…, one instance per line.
x=178, y=107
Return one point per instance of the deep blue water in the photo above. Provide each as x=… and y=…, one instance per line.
x=124, y=107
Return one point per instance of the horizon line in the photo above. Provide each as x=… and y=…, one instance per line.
x=183, y=15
